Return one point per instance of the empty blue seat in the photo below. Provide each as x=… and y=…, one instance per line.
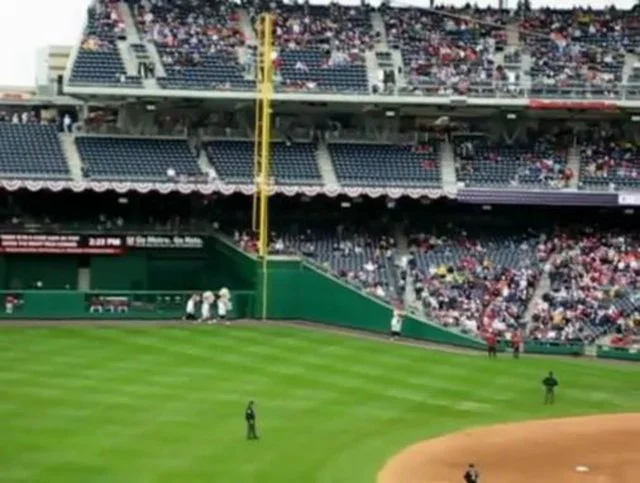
x=130, y=159
x=293, y=164
x=385, y=165
x=31, y=151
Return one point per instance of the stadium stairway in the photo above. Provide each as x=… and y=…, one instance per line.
x=127, y=58
x=447, y=166
x=378, y=26
x=629, y=61
x=544, y=286
x=373, y=68
x=143, y=51
x=325, y=165
x=130, y=25
x=154, y=56
x=398, y=67
x=525, y=69
x=402, y=242
x=247, y=59
x=573, y=162
x=67, y=140
x=244, y=22
x=498, y=57
x=205, y=165
x=513, y=34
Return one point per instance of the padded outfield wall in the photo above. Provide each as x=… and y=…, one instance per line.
x=197, y=263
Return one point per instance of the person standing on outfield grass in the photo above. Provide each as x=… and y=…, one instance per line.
x=550, y=383
x=224, y=305
x=492, y=345
x=396, y=324
x=516, y=342
x=190, y=311
x=207, y=300
x=250, y=418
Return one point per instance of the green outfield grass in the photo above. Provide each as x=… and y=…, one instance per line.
x=156, y=404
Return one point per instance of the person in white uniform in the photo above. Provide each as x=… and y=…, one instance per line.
x=190, y=311
x=224, y=305
x=396, y=324
x=207, y=300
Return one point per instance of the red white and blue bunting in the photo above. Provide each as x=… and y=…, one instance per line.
x=219, y=187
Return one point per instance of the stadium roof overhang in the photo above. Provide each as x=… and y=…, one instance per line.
x=408, y=105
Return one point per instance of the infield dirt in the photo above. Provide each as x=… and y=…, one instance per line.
x=545, y=451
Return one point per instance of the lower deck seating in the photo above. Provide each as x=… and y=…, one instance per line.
x=386, y=165
x=292, y=163
x=131, y=159
x=31, y=151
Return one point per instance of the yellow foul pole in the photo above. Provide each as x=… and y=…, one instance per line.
x=263, y=145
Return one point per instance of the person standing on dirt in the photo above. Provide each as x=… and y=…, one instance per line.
x=471, y=475
x=550, y=383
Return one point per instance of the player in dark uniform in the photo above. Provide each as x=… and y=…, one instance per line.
x=471, y=475
x=250, y=418
x=550, y=383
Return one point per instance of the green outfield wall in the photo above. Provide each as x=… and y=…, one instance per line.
x=171, y=268
x=619, y=353
x=133, y=305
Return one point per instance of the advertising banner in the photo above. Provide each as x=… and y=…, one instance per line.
x=31, y=243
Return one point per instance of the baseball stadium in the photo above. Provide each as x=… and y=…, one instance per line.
x=277, y=242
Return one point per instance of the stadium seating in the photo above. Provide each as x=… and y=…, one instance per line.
x=475, y=283
x=362, y=259
x=478, y=283
x=334, y=26
x=196, y=42
x=576, y=51
x=594, y=288
x=293, y=163
x=483, y=163
x=131, y=159
x=457, y=56
x=315, y=69
x=386, y=165
x=321, y=47
x=610, y=162
x=98, y=61
x=31, y=151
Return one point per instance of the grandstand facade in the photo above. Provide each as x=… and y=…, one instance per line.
x=397, y=133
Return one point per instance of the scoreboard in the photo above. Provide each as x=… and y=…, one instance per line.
x=60, y=244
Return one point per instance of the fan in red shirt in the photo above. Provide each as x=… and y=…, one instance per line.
x=516, y=343
x=492, y=345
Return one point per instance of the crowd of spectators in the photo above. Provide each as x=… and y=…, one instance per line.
x=448, y=51
x=186, y=32
x=477, y=285
x=594, y=281
x=332, y=26
x=576, y=47
x=608, y=159
x=539, y=158
x=361, y=259
x=104, y=27
x=484, y=285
